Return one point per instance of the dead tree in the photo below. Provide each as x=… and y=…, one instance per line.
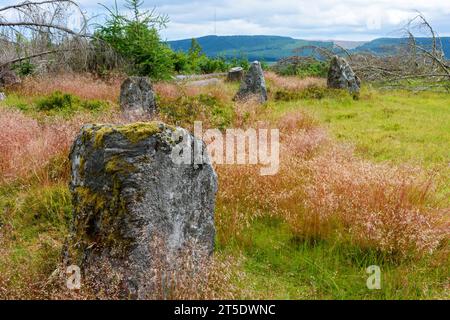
x=45, y=32
x=414, y=65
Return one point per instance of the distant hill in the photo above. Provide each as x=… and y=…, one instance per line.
x=274, y=48
x=387, y=46
x=265, y=48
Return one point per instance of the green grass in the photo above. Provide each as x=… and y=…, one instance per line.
x=386, y=126
x=279, y=267
x=35, y=221
x=56, y=104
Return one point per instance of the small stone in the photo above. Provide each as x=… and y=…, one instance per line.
x=253, y=84
x=235, y=74
x=341, y=76
x=137, y=97
x=128, y=192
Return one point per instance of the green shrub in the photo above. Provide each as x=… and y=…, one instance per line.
x=67, y=103
x=24, y=68
x=57, y=101
x=302, y=67
x=93, y=105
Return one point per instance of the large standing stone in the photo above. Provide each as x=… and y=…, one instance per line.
x=137, y=97
x=341, y=76
x=129, y=190
x=235, y=74
x=253, y=84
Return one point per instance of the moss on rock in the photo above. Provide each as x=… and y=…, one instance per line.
x=134, y=132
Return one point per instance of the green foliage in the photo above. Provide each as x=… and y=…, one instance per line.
x=196, y=62
x=303, y=68
x=241, y=61
x=56, y=100
x=67, y=103
x=137, y=40
x=24, y=68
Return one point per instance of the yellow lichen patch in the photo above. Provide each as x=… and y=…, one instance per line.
x=139, y=131
x=134, y=132
x=82, y=166
x=118, y=165
x=100, y=135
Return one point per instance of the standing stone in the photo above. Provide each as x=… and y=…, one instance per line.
x=341, y=76
x=137, y=97
x=8, y=78
x=253, y=84
x=235, y=74
x=130, y=189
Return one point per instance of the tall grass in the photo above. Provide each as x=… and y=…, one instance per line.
x=83, y=86
x=324, y=192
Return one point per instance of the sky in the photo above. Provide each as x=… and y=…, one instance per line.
x=302, y=19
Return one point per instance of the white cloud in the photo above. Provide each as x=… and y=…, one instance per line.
x=318, y=19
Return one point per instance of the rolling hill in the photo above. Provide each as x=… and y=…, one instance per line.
x=265, y=48
x=387, y=46
x=274, y=48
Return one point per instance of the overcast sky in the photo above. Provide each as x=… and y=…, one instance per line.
x=305, y=19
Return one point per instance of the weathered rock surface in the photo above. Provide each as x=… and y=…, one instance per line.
x=137, y=97
x=127, y=193
x=341, y=76
x=2, y=96
x=235, y=74
x=8, y=78
x=253, y=84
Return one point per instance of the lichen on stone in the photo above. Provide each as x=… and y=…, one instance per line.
x=118, y=165
x=139, y=131
x=134, y=132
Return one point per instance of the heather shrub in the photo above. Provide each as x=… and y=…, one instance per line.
x=56, y=101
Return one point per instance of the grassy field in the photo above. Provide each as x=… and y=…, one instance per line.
x=309, y=232
x=395, y=126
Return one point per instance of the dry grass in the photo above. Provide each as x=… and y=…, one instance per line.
x=170, y=91
x=84, y=86
x=28, y=146
x=325, y=192
x=293, y=83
